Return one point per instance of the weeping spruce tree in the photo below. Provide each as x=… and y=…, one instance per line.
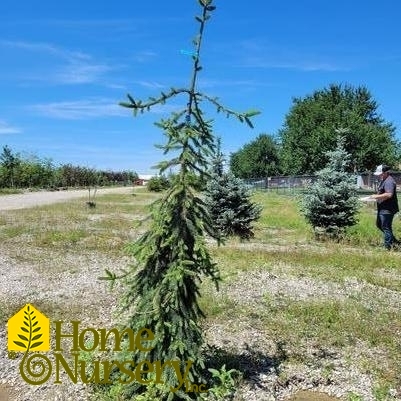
x=162, y=289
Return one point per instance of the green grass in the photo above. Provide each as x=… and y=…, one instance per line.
x=284, y=247
x=106, y=228
x=10, y=191
x=280, y=212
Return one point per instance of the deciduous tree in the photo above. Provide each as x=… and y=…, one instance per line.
x=258, y=158
x=10, y=162
x=309, y=130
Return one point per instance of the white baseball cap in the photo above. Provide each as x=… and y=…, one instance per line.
x=382, y=168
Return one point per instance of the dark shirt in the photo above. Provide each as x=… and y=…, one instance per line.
x=388, y=205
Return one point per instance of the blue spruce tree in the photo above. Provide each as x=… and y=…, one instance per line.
x=331, y=203
x=229, y=202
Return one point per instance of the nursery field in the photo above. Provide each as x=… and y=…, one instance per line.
x=291, y=314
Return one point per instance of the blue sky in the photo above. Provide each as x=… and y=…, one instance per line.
x=64, y=66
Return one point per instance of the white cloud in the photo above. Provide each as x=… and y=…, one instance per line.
x=40, y=47
x=70, y=67
x=88, y=109
x=213, y=83
x=302, y=65
x=144, y=56
x=80, y=109
x=258, y=54
x=81, y=73
x=150, y=84
x=5, y=128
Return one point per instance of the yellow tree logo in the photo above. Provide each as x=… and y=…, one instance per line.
x=28, y=330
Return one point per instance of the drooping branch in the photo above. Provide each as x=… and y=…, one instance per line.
x=194, y=98
x=243, y=117
x=138, y=105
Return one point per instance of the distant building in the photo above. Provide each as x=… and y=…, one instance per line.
x=143, y=179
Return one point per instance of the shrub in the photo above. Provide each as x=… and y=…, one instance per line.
x=158, y=184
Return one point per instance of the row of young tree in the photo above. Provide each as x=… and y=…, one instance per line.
x=309, y=132
x=330, y=205
x=17, y=171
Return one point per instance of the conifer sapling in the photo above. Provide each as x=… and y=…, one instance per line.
x=171, y=258
x=331, y=202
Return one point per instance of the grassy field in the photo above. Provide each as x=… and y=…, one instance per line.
x=308, y=305
x=323, y=297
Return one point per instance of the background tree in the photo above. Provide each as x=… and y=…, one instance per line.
x=21, y=171
x=158, y=184
x=9, y=162
x=258, y=158
x=162, y=289
x=198, y=181
x=331, y=204
x=229, y=202
x=33, y=172
x=309, y=131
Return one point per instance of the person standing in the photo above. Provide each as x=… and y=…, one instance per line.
x=387, y=205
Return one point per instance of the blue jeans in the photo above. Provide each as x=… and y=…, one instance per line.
x=384, y=223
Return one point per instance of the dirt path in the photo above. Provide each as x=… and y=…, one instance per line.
x=31, y=199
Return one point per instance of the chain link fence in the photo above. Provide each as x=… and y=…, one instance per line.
x=280, y=183
x=364, y=181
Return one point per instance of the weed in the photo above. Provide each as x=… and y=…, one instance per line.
x=382, y=393
x=354, y=397
x=227, y=381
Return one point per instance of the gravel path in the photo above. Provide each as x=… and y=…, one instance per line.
x=31, y=199
x=21, y=281
x=73, y=279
